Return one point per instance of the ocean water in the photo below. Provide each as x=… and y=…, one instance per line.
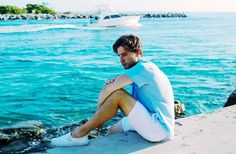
x=53, y=70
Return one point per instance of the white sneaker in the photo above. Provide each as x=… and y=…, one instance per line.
x=68, y=140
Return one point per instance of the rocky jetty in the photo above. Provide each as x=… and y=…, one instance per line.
x=80, y=16
x=165, y=15
x=31, y=136
x=42, y=16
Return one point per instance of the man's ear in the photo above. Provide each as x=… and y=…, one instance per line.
x=138, y=52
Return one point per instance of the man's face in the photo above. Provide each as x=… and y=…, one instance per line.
x=127, y=58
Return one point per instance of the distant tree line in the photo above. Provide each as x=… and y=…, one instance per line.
x=30, y=8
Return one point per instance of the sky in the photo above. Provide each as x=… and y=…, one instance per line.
x=134, y=5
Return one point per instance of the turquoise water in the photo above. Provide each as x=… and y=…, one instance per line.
x=53, y=71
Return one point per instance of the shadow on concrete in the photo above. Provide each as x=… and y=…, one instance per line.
x=119, y=143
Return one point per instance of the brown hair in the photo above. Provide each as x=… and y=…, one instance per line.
x=129, y=42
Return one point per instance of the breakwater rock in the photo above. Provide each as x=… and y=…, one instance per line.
x=231, y=100
x=31, y=136
x=165, y=15
x=42, y=16
x=80, y=16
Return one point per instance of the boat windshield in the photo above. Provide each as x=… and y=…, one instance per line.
x=115, y=16
x=106, y=17
x=112, y=16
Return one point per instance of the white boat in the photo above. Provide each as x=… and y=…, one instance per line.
x=107, y=18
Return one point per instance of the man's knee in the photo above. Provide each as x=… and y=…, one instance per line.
x=115, y=97
x=119, y=95
x=119, y=92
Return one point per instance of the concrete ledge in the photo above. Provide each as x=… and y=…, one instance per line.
x=205, y=133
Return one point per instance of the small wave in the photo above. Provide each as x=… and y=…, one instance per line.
x=41, y=27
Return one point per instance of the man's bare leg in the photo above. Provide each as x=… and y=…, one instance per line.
x=118, y=99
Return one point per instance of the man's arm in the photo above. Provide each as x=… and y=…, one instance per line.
x=118, y=83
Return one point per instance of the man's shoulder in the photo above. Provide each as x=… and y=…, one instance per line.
x=147, y=64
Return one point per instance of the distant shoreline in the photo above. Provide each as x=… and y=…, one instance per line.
x=82, y=16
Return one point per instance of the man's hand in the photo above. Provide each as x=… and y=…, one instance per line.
x=110, y=81
x=111, y=86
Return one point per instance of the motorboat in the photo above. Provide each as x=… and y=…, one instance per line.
x=115, y=20
x=108, y=18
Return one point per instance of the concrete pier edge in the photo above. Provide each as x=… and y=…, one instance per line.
x=204, y=133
